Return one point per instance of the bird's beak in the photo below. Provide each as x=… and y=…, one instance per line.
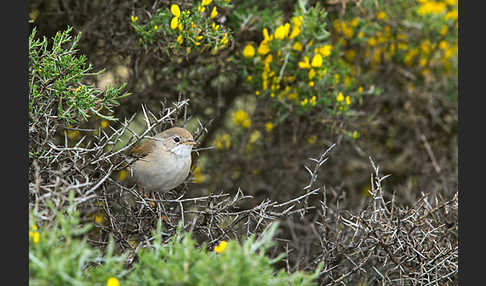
x=191, y=142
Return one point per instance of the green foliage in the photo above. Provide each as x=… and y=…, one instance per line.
x=176, y=32
x=181, y=262
x=60, y=255
x=56, y=81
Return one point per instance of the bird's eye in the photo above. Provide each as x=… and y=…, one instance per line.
x=177, y=139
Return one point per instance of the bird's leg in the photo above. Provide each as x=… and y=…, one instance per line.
x=145, y=195
x=153, y=197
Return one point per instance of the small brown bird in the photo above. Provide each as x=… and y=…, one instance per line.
x=163, y=162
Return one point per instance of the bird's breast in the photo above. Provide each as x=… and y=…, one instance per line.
x=161, y=171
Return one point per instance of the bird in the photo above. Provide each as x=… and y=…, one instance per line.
x=162, y=162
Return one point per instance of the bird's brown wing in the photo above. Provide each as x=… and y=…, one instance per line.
x=142, y=149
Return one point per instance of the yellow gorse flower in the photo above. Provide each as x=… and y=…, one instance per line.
x=269, y=126
x=381, y=15
x=297, y=46
x=325, y=50
x=122, y=175
x=176, y=11
x=241, y=118
x=248, y=51
x=340, y=97
x=222, y=141
x=255, y=135
x=317, y=61
x=34, y=234
x=104, y=123
x=224, y=40
x=174, y=23
x=198, y=176
x=304, y=64
x=220, y=247
x=134, y=19
x=282, y=31
x=312, y=139
x=214, y=13
x=112, y=281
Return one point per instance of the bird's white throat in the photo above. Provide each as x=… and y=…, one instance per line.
x=182, y=150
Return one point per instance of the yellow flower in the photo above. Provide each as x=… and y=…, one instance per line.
x=248, y=51
x=312, y=139
x=104, y=123
x=304, y=102
x=222, y=141
x=451, y=15
x=112, y=281
x=305, y=64
x=269, y=126
x=340, y=97
x=175, y=10
x=201, y=8
x=99, y=219
x=241, y=118
x=221, y=246
x=174, y=23
x=311, y=74
x=266, y=36
x=224, y=40
x=347, y=81
x=255, y=135
x=214, y=13
x=317, y=61
x=381, y=15
x=337, y=78
x=292, y=96
x=431, y=7
x=263, y=49
x=312, y=101
x=355, y=134
x=179, y=39
x=134, y=18
x=295, y=32
x=206, y=2
x=282, y=31
x=443, y=30
x=360, y=89
x=311, y=83
x=122, y=175
x=372, y=41
x=73, y=134
x=325, y=50
x=297, y=46
x=156, y=27
x=198, y=176
x=36, y=237
x=348, y=100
